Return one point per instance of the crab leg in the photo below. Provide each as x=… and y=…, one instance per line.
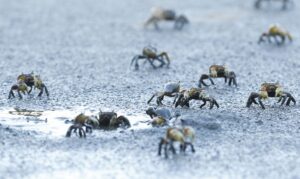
x=204, y=103
x=88, y=128
x=251, y=100
x=290, y=98
x=46, y=90
x=41, y=92
x=152, y=20
x=20, y=96
x=166, y=149
x=191, y=145
x=151, y=63
x=69, y=132
x=155, y=94
x=202, y=78
x=164, y=54
x=11, y=94
x=216, y=103
x=180, y=22
x=172, y=147
x=30, y=90
x=161, y=143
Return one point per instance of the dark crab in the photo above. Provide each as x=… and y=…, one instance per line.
x=30, y=80
x=183, y=98
x=218, y=71
x=160, y=14
x=150, y=54
x=270, y=90
x=170, y=90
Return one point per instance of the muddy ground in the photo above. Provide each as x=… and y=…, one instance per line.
x=82, y=50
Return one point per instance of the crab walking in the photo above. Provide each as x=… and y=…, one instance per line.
x=285, y=3
x=105, y=120
x=270, y=90
x=159, y=14
x=218, y=71
x=25, y=81
x=150, y=54
x=185, y=136
x=185, y=96
x=170, y=90
x=277, y=34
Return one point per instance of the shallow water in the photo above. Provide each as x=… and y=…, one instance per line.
x=55, y=123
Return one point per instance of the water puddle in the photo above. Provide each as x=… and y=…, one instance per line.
x=55, y=123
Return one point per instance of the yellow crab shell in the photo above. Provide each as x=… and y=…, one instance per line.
x=158, y=121
x=81, y=119
x=175, y=134
x=213, y=70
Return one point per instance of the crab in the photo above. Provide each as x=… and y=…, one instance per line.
x=151, y=55
x=185, y=136
x=110, y=120
x=285, y=3
x=185, y=96
x=170, y=90
x=160, y=117
x=270, y=90
x=218, y=71
x=106, y=120
x=158, y=121
x=159, y=14
x=81, y=121
x=154, y=112
x=30, y=80
x=275, y=32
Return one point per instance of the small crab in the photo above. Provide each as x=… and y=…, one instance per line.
x=185, y=96
x=82, y=121
x=151, y=55
x=285, y=3
x=160, y=117
x=110, y=120
x=31, y=81
x=185, y=136
x=159, y=14
x=275, y=32
x=170, y=90
x=218, y=71
x=106, y=120
x=270, y=90
x=154, y=112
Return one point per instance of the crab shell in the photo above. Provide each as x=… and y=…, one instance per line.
x=215, y=69
x=175, y=134
x=171, y=87
x=270, y=88
x=158, y=121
